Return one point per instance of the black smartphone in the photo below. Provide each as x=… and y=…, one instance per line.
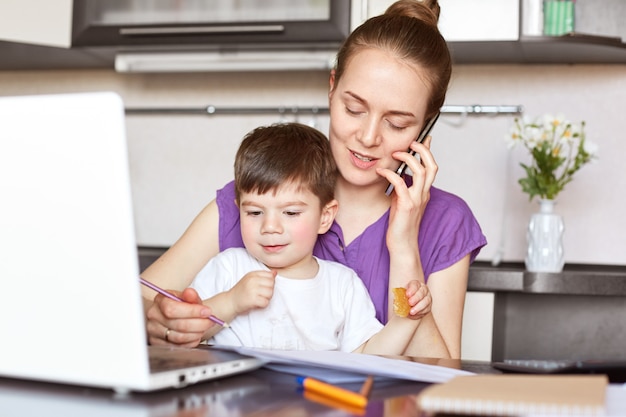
x=425, y=131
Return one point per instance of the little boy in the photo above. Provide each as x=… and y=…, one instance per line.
x=275, y=293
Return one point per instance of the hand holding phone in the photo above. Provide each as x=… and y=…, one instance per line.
x=425, y=131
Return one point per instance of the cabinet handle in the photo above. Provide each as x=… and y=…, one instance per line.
x=196, y=30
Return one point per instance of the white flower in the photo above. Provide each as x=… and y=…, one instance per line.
x=591, y=148
x=558, y=149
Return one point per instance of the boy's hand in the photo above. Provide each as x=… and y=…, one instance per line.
x=420, y=299
x=254, y=290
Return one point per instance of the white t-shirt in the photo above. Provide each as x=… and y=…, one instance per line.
x=331, y=311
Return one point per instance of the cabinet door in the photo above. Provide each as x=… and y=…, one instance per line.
x=36, y=22
x=484, y=20
x=460, y=20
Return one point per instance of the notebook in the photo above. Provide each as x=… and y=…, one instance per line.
x=71, y=309
x=514, y=395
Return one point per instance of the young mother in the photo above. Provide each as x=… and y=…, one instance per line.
x=391, y=77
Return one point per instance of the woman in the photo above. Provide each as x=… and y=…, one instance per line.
x=391, y=77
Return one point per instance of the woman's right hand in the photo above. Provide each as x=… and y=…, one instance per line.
x=178, y=323
x=409, y=203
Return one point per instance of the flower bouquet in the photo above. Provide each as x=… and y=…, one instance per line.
x=558, y=148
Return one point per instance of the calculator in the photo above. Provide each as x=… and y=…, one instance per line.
x=614, y=369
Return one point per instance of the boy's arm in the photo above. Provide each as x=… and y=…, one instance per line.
x=396, y=336
x=393, y=339
x=253, y=291
x=222, y=306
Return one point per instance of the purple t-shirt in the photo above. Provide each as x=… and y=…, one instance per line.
x=448, y=232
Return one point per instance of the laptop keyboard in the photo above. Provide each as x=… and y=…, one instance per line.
x=160, y=364
x=169, y=358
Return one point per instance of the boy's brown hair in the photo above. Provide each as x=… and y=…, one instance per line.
x=271, y=156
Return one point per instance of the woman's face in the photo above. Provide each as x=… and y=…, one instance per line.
x=378, y=107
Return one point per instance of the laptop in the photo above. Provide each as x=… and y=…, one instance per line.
x=235, y=396
x=71, y=309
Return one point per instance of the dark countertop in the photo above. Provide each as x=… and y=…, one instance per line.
x=576, y=279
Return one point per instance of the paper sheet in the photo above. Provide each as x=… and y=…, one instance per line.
x=351, y=364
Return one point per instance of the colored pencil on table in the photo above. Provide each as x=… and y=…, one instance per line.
x=367, y=386
x=331, y=391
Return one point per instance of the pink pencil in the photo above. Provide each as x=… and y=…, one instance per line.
x=173, y=297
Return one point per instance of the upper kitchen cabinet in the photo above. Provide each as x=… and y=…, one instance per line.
x=483, y=21
x=37, y=35
x=510, y=31
x=37, y=22
x=143, y=35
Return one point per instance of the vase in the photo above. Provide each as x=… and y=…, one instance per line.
x=545, y=240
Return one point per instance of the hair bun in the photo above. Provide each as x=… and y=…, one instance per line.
x=425, y=10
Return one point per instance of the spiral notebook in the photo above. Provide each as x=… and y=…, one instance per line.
x=514, y=395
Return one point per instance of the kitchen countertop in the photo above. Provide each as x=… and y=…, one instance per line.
x=575, y=279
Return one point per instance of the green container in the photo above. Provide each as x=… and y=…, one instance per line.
x=558, y=17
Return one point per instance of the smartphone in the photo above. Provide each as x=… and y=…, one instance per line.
x=425, y=131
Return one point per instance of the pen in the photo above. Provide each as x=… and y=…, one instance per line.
x=331, y=391
x=173, y=297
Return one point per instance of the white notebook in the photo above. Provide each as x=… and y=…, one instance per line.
x=71, y=309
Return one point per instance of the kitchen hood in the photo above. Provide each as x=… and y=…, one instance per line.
x=224, y=61
x=213, y=35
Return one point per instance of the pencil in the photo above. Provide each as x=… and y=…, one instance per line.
x=175, y=298
x=332, y=403
x=367, y=386
x=332, y=391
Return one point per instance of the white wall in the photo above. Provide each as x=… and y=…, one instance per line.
x=177, y=162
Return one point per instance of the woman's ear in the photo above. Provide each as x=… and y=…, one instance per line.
x=329, y=211
x=331, y=83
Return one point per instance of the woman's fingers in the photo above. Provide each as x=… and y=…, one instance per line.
x=424, y=167
x=181, y=323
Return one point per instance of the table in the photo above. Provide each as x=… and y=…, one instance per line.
x=258, y=393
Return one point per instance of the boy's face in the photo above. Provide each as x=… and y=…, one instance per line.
x=280, y=228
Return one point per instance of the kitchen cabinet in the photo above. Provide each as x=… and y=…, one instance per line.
x=36, y=36
x=499, y=32
x=35, y=22
x=487, y=20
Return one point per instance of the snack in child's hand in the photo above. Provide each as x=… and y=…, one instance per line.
x=400, y=302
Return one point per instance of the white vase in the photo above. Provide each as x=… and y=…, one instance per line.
x=545, y=240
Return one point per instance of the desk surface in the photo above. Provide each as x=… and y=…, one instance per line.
x=258, y=393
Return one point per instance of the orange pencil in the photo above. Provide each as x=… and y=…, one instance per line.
x=332, y=403
x=332, y=391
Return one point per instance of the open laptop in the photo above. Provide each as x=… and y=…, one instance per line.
x=71, y=309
